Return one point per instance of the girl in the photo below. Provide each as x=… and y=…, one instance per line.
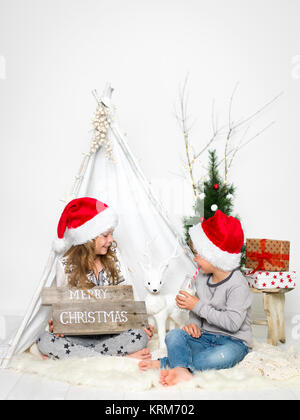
x=219, y=334
x=85, y=237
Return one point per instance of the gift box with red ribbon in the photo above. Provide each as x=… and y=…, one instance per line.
x=267, y=255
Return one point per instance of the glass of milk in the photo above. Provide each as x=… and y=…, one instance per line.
x=188, y=286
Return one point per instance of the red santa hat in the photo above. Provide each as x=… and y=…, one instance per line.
x=83, y=220
x=219, y=240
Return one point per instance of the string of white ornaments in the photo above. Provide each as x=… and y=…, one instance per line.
x=101, y=121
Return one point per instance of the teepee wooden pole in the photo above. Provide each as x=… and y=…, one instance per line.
x=79, y=178
x=107, y=92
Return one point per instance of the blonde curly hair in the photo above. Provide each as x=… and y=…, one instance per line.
x=80, y=261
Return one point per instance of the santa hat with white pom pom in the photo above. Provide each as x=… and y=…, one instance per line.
x=83, y=220
x=219, y=240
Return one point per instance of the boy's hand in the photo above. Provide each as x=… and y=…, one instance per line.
x=186, y=301
x=193, y=330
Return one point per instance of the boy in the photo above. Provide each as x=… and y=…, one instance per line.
x=219, y=334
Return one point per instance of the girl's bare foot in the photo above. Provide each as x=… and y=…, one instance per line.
x=149, y=364
x=174, y=376
x=141, y=355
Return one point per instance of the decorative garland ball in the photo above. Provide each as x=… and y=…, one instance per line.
x=229, y=196
x=202, y=196
x=214, y=207
x=216, y=186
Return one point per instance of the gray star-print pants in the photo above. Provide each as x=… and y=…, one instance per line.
x=90, y=346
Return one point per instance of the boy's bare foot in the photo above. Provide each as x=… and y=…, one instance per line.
x=141, y=355
x=149, y=364
x=174, y=376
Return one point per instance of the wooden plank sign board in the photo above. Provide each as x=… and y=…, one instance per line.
x=107, y=318
x=111, y=310
x=55, y=295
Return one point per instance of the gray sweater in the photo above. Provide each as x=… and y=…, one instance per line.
x=225, y=307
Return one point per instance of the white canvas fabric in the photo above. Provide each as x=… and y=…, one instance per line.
x=123, y=186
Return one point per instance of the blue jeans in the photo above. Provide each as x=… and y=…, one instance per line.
x=208, y=352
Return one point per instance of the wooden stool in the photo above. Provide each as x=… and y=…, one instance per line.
x=274, y=300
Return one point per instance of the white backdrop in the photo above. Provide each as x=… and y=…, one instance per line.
x=53, y=53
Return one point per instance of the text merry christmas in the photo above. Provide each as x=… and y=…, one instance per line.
x=92, y=317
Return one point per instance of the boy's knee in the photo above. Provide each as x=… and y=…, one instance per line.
x=218, y=359
x=175, y=335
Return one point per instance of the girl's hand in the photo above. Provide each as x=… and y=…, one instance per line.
x=186, y=301
x=193, y=330
x=51, y=329
x=149, y=331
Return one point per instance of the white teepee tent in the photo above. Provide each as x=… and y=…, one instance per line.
x=122, y=185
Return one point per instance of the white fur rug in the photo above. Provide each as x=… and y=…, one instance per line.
x=265, y=367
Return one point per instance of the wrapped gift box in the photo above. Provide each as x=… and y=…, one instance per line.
x=271, y=279
x=267, y=255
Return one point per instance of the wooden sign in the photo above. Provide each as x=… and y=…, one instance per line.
x=110, y=310
x=107, y=318
x=54, y=295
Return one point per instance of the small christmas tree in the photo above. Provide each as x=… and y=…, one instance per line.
x=212, y=194
x=216, y=193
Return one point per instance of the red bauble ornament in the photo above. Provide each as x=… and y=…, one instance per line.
x=216, y=186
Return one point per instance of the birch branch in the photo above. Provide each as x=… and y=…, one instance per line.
x=232, y=128
x=235, y=150
x=182, y=119
x=255, y=114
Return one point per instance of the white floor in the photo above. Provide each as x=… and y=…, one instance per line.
x=14, y=386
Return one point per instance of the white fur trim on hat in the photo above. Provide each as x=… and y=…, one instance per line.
x=61, y=246
x=223, y=260
x=90, y=230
